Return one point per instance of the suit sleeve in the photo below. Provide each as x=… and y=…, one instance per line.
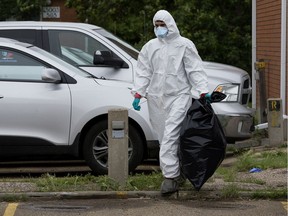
x=194, y=69
x=143, y=73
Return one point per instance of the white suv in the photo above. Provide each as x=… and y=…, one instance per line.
x=49, y=107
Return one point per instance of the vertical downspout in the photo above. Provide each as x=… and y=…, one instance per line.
x=283, y=54
x=253, y=54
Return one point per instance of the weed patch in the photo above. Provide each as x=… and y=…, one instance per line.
x=230, y=191
x=13, y=198
x=263, y=160
x=270, y=194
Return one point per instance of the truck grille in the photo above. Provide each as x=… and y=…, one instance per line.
x=246, y=91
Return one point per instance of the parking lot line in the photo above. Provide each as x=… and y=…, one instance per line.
x=285, y=205
x=10, y=210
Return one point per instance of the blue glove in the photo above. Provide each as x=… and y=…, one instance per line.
x=136, y=104
x=207, y=97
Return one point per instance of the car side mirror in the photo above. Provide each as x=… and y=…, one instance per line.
x=51, y=75
x=108, y=58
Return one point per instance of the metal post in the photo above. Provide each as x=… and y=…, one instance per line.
x=275, y=122
x=118, y=145
x=260, y=68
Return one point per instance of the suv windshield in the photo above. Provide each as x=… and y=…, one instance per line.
x=118, y=42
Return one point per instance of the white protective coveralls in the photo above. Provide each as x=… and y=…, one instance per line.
x=167, y=69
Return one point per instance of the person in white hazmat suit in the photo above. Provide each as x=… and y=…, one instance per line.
x=167, y=68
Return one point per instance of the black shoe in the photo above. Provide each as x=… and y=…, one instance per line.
x=169, y=186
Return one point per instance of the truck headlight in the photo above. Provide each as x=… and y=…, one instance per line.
x=231, y=90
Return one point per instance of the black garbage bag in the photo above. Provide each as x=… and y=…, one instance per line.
x=202, y=143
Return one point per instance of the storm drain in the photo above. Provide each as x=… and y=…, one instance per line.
x=223, y=206
x=62, y=208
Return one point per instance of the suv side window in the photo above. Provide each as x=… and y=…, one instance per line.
x=74, y=47
x=15, y=66
x=24, y=35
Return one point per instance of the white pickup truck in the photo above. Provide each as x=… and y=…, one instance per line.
x=113, y=62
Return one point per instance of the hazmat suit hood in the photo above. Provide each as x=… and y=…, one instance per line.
x=166, y=17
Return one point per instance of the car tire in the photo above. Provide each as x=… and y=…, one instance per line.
x=95, y=150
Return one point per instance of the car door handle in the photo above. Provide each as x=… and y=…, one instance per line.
x=1, y=96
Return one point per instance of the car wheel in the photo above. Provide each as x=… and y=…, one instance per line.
x=95, y=148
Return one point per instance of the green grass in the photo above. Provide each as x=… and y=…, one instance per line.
x=145, y=182
x=246, y=161
x=228, y=174
x=136, y=182
x=14, y=198
x=264, y=160
x=270, y=194
x=230, y=191
x=48, y=182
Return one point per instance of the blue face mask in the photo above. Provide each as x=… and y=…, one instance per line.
x=161, y=32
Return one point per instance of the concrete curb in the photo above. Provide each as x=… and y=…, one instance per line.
x=181, y=195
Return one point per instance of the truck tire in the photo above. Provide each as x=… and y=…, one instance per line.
x=95, y=149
